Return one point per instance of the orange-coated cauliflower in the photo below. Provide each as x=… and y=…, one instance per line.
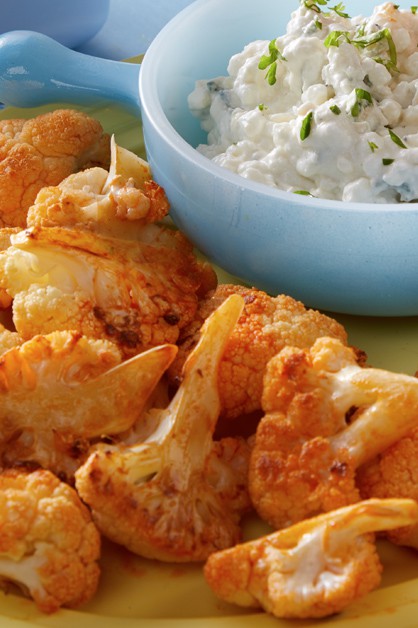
x=43, y=151
x=49, y=545
x=60, y=391
x=118, y=203
x=94, y=259
x=178, y=495
x=394, y=473
x=136, y=294
x=267, y=324
x=325, y=417
x=314, y=568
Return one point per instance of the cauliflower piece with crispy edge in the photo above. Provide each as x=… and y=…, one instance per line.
x=42, y=151
x=49, y=545
x=136, y=294
x=60, y=391
x=177, y=496
x=266, y=325
x=314, y=568
x=325, y=416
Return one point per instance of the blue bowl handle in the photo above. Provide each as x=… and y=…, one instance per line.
x=36, y=70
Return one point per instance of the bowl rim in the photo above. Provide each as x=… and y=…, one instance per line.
x=156, y=117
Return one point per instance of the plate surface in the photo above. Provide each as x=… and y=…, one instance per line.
x=139, y=593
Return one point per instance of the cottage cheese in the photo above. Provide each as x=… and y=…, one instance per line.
x=340, y=119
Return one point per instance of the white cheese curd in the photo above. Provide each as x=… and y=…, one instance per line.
x=332, y=111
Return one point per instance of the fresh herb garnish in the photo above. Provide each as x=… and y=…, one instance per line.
x=270, y=62
x=318, y=25
x=373, y=146
x=339, y=9
x=395, y=138
x=361, y=96
x=303, y=192
x=262, y=107
x=414, y=9
x=335, y=38
x=387, y=162
x=335, y=109
x=313, y=5
x=305, y=129
x=374, y=38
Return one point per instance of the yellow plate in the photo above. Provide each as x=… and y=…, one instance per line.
x=139, y=593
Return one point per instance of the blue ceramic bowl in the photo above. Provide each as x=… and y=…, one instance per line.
x=70, y=22
x=352, y=258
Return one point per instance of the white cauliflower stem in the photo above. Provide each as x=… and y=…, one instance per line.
x=174, y=496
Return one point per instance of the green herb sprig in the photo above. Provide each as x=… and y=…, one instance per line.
x=335, y=38
x=270, y=61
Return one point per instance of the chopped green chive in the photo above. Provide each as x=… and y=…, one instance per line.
x=395, y=138
x=373, y=146
x=414, y=9
x=318, y=25
x=306, y=126
x=303, y=192
x=387, y=162
x=262, y=107
x=361, y=96
x=335, y=109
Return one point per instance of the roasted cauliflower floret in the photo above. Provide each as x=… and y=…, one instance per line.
x=117, y=203
x=314, y=568
x=49, y=545
x=43, y=151
x=177, y=496
x=8, y=339
x=136, y=294
x=267, y=325
x=324, y=417
x=59, y=391
x=394, y=473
